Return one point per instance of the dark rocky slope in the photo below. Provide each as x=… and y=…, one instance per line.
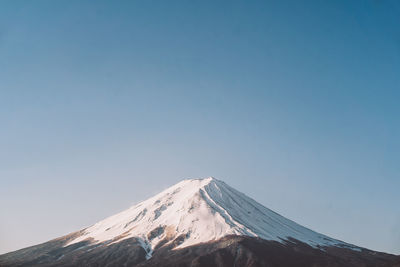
x=228, y=251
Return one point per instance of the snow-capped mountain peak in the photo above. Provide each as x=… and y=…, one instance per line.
x=195, y=211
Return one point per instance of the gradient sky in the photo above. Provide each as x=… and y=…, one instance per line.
x=295, y=103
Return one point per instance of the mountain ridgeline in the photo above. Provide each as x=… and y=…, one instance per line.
x=197, y=222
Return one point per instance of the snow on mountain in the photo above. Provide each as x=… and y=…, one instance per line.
x=200, y=210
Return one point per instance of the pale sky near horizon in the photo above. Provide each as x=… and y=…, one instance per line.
x=105, y=103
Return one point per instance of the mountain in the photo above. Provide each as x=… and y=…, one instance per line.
x=197, y=222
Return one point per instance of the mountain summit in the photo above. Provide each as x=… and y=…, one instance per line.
x=192, y=220
x=196, y=211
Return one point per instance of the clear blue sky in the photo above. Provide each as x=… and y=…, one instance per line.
x=295, y=103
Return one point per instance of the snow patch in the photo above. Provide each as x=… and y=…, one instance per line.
x=200, y=210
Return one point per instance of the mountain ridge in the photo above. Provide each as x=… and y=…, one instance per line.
x=203, y=210
x=200, y=222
